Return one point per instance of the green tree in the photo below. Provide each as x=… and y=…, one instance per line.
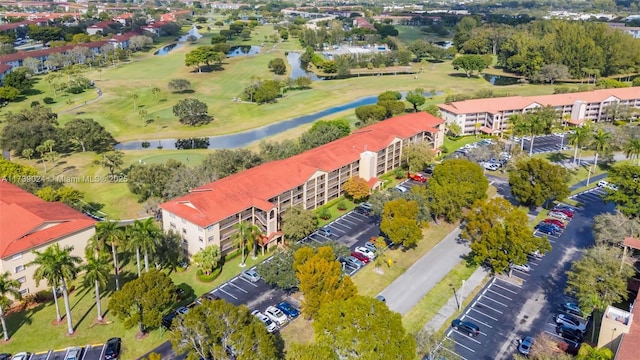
x=279, y=271
x=311, y=351
x=611, y=228
x=11, y=287
x=588, y=352
x=356, y=188
x=541, y=122
x=455, y=184
x=600, y=278
x=112, y=160
x=579, y=138
x=470, y=63
x=169, y=252
x=216, y=328
x=434, y=110
x=632, y=150
x=392, y=107
x=416, y=98
x=417, y=156
x=155, y=91
x=57, y=265
x=151, y=180
x=207, y=259
x=399, y=222
x=321, y=279
x=20, y=78
x=9, y=93
x=28, y=128
x=536, y=181
x=627, y=197
x=278, y=66
x=369, y=114
x=97, y=275
x=246, y=237
x=432, y=346
x=108, y=234
x=89, y=135
x=601, y=143
x=179, y=85
x=143, y=300
x=145, y=237
x=28, y=153
x=454, y=129
x=298, y=223
x=192, y=112
x=362, y=327
x=500, y=234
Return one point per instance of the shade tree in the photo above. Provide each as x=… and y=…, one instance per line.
x=470, y=63
x=179, y=85
x=207, y=259
x=399, y=222
x=192, y=112
x=536, y=181
x=356, y=188
x=28, y=128
x=88, y=135
x=627, y=195
x=416, y=98
x=8, y=286
x=298, y=223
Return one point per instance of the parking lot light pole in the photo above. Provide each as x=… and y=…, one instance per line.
x=455, y=295
x=461, y=296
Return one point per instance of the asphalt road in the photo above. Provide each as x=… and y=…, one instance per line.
x=525, y=305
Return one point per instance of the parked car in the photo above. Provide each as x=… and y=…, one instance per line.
x=366, y=252
x=564, y=206
x=572, y=308
x=554, y=222
x=524, y=345
x=607, y=185
x=288, y=309
x=360, y=256
x=250, y=275
x=417, y=177
x=353, y=262
x=553, y=227
x=381, y=298
x=325, y=231
x=366, y=206
x=73, y=353
x=400, y=188
x=5, y=356
x=112, y=349
x=182, y=310
x=167, y=320
x=570, y=334
x=361, y=211
x=564, y=211
x=570, y=322
x=370, y=246
x=21, y=356
x=562, y=147
x=466, y=327
x=536, y=254
x=523, y=267
x=271, y=326
x=546, y=229
x=208, y=296
x=276, y=315
x=558, y=215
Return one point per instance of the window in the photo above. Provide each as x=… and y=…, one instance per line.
x=19, y=268
x=173, y=226
x=200, y=239
x=184, y=231
x=22, y=280
x=172, y=215
x=24, y=292
x=210, y=238
x=16, y=257
x=210, y=227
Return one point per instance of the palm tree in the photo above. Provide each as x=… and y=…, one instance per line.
x=586, y=352
x=63, y=267
x=632, y=150
x=108, y=233
x=600, y=141
x=519, y=127
x=145, y=237
x=7, y=286
x=541, y=122
x=47, y=271
x=578, y=138
x=96, y=274
x=245, y=232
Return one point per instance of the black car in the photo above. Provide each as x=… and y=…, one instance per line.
x=167, y=320
x=465, y=327
x=112, y=351
x=5, y=356
x=570, y=334
x=361, y=211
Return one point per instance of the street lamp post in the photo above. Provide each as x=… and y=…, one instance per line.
x=461, y=296
x=455, y=295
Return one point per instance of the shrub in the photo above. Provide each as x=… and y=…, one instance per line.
x=145, y=144
x=341, y=206
x=75, y=90
x=48, y=100
x=209, y=278
x=324, y=214
x=35, y=103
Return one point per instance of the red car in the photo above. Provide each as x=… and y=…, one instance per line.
x=361, y=257
x=567, y=212
x=417, y=177
x=554, y=222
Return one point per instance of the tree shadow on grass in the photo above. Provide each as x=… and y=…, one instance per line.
x=79, y=297
x=557, y=157
x=15, y=320
x=84, y=316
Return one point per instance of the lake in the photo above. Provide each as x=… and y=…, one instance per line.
x=165, y=49
x=244, y=50
x=498, y=80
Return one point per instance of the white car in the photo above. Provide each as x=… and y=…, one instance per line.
x=401, y=188
x=276, y=315
x=607, y=185
x=366, y=252
x=21, y=356
x=558, y=215
x=570, y=322
x=523, y=267
x=271, y=326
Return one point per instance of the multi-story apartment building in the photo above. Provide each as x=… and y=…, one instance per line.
x=29, y=223
x=207, y=215
x=491, y=115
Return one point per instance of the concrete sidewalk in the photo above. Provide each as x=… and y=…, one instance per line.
x=476, y=279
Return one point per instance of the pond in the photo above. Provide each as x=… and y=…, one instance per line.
x=498, y=80
x=165, y=49
x=244, y=50
x=245, y=138
x=293, y=58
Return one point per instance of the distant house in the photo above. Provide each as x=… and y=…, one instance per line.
x=155, y=28
x=124, y=19
x=100, y=27
x=361, y=22
x=29, y=223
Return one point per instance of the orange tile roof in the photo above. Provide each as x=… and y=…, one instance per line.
x=632, y=243
x=629, y=349
x=27, y=221
x=495, y=105
x=212, y=202
x=21, y=55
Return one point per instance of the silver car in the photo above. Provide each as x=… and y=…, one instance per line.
x=523, y=267
x=250, y=275
x=571, y=322
x=353, y=262
x=73, y=353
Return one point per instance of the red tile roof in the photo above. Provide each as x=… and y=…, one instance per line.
x=28, y=221
x=212, y=202
x=21, y=55
x=632, y=243
x=629, y=349
x=495, y=105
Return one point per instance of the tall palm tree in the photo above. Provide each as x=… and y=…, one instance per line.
x=133, y=244
x=47, y=271
x=245, y=237
x=579, y=138
x=96, y=274
x=601, y=142
x=519, y=127
x=11, y=287
x=64, y=266
x=632, y=150
x=108, y=233
x=146, y=235
x=541, y=122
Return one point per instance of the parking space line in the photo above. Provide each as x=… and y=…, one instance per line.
x=497, y=293
x=451, y=352
x=481, y=322
x=481, y=313
x=495, y=301
x=504, y=288
x=466, y=347
x=247, y=281
x=489, y=307
x=238, y=287
x=346, y=219
x=339, y=227
x=222, y=290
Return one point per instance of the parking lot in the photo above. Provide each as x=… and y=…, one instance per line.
x=545, y=143
x=89, y=352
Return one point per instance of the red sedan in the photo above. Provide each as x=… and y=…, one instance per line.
x=554, y=222
x=361, y=257
x=567, y=212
